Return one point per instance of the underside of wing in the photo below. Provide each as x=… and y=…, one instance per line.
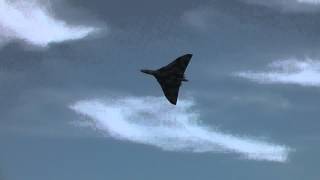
x=171, y=75
x=170, y=88
x=178, y=66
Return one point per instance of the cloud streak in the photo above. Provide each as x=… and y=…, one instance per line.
x=292, y=71
x=150, y=120
x=292, y=6
x=314, y=2
x=31, y=22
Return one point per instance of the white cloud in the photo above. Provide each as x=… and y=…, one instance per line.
x=315, y=2
x=289, y=5
x=304, y=73
x=31, y=22
x=153, y=121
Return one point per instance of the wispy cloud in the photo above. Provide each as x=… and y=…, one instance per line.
x=150, y=120
x=31, y=22
x=314, y=2
x=292, y=71
x=289, y=5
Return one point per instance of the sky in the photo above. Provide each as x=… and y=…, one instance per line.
x=74, y=104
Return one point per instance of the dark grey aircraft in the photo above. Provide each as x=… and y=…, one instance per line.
x=170, y=76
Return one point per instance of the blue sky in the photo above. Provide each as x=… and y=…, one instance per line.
x=74, y=104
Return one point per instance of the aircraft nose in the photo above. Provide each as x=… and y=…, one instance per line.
x=146, y=71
